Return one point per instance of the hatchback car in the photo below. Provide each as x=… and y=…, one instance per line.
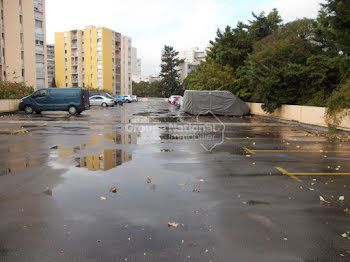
x=101, y=101
x=127, y=98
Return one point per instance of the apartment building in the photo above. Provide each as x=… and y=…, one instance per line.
x=50, y=64
x=192, y=58
x=126, y=81
x=90, y=58
x=23, y=42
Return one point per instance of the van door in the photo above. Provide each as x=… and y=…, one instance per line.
x=41, y=100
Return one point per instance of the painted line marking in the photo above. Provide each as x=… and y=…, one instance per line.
x=251, y=138
x=294, y=151
x=13, y=131
x=249, y=151
x=294, y=175
x=283, y=171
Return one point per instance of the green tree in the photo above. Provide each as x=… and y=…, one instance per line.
x=170, y=83
x=53, y=82
x=339, y=16
x=278, y=66
x=146, y=89
x=232, y=46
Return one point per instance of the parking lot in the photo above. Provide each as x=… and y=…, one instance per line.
x=267, y=191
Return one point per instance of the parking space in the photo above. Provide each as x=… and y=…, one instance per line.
x=267, y=191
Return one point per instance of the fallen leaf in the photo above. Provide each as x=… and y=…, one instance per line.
x=341, y=198
x=344, y=235
x=201, y=180
x=172, y=224
x=129, y=238
x=103, y=198
x=99, y=241
x=248, y=155
x=322, y=199
x=239, y=196
x=181, y=184
x=113, y=190
x=149, y=180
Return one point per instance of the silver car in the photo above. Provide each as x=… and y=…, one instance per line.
x=134, y=98
x=99, y=100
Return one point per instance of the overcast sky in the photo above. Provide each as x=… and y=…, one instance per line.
x=153, y=23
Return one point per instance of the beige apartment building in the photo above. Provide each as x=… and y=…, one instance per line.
x=50, y=64
x=23, y=42
x=95, y=58
x=126, y=81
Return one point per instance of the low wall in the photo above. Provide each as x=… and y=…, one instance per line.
x=9, y=105
x=312, y=115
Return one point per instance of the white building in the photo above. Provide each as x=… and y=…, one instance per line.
x=192, y=58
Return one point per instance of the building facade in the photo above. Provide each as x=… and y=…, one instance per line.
x=50, y=49
x=192, y=58
x=89, y=58
x=126, y=81
x=23, y=42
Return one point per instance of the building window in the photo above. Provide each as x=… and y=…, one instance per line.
x=38, y=24
x=21, y=19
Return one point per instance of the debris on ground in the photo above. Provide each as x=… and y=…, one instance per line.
x=149, y=180
x=103, y=198
x=113, y=190
x=341, y=198
x=172, y=224
x=196, y=190
x=201, y=180
x=346, y=235
x=323, y=200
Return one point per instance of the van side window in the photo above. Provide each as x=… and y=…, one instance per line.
x=40, y=93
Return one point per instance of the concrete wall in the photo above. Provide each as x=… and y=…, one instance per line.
x=9, y=105
x=312, y=115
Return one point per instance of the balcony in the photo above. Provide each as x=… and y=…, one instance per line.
x=38, y=16
x=74, y=46
x=38, y=7
x=75, y=80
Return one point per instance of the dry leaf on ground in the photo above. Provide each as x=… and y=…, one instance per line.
x=172, y=224
x=113, y=190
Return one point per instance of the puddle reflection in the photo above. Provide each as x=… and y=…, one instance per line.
x=104, y=161
x=15, y=165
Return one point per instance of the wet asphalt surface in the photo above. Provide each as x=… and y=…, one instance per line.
x=230, y=204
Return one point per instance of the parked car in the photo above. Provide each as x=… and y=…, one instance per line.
x=179, y=102
x=127, y=98
x=134, y=98
x=119, y=99
x=99, y=100
x=172, y=98
x=116, y=100
x=73, y=100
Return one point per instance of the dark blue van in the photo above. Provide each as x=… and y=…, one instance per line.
x=73, y=100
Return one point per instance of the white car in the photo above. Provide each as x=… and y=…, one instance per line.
x=127, y=98
x=172, y=98
x=134, y=98
x=99, y=100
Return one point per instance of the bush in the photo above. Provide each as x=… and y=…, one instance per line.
x=338, y=106
x=13, y=90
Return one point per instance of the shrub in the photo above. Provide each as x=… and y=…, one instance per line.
x=13, y=90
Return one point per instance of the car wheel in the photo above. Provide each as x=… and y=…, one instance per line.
x=104, y=104
x=28, y=110
x=120, y=103
x=127, y=101
x=79, y=112
x=72, y=110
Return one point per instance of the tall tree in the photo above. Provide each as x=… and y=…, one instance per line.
x=170, y=83
x=339, y=15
